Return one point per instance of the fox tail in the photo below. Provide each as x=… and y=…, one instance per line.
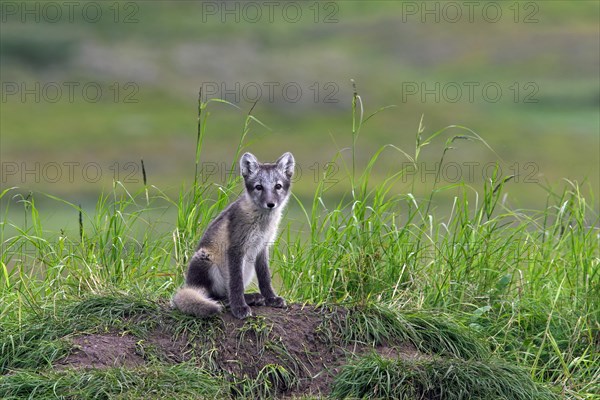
x=195, y=301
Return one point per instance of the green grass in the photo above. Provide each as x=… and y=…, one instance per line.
x=374, y=377
x=20, y=343
x=181, y=381
x=429, y=332
x=509, y=297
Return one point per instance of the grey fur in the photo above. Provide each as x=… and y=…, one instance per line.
x=235, y=245
x=194, y=301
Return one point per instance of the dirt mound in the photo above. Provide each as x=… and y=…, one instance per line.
x=290, y=349
x=103, y=350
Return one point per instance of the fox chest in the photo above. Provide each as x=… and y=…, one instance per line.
x=255, y=243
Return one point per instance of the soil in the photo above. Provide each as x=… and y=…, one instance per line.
x=103, y=350
x=289, y=337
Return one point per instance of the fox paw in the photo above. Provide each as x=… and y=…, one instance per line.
x=254, y=299
x=241, y=312
x=277, y=301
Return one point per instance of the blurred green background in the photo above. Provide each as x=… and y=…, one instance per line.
x=91, y=88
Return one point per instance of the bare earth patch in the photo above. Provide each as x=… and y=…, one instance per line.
x=292, y=338
x=102, y=351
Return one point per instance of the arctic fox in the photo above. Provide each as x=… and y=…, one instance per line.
x=236, y=243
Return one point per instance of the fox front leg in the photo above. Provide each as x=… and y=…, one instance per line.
x=264, y=281
x=237, y=302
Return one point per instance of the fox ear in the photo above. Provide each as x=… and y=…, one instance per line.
x=286, y=164
x=248, y=164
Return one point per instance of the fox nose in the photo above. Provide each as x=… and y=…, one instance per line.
x=270, y=205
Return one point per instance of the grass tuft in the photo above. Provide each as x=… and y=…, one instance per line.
x=183, y=381
x=430, y=332
x=375, y=377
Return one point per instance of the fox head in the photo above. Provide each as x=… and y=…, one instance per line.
x=268, y=184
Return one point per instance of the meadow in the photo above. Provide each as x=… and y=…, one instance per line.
x=496, y=302
x=542, y=125
x=441, y=243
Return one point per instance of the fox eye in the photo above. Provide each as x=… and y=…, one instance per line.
x=278, y=186
x=258, y=187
